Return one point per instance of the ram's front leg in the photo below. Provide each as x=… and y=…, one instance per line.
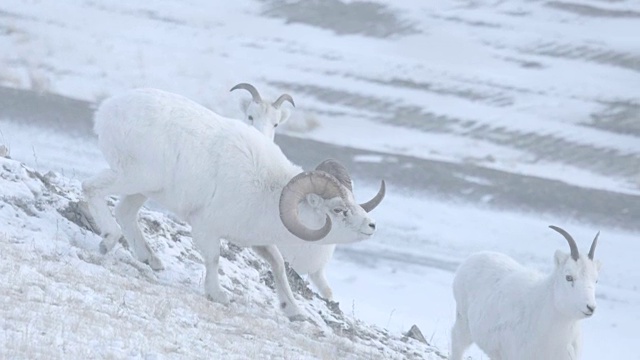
x=287, y=303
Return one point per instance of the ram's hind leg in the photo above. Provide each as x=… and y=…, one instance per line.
x=287, y=303
x=126, y=213
x=460, y=338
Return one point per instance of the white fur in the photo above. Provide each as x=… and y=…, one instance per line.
x=515, y=313
x=265, y=117
x=220, y=175
x=307, y=258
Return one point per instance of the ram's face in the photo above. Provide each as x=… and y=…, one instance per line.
x=315, y=202
x=575, y=285
x=265, y=117
x=347, y=217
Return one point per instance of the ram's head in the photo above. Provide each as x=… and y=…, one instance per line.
x=265, y=116
x=327, y=190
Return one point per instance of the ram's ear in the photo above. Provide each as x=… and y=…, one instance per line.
x=598, y=264
x=560, y=258
x=244, y=105
x=314, y=200
x=284, y=115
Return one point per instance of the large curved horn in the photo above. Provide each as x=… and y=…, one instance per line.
x=284, y=97
x=593, y=246
x=572, y=243
x=338, y=170
x=371, y=204
x=318, y=182
x=250, y=88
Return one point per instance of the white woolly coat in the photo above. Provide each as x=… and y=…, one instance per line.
x=510, y=310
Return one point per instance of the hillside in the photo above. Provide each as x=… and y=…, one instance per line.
x=62, y=299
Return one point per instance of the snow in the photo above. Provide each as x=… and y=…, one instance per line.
x=537, y=69
x=526, y=87
x=62, y=299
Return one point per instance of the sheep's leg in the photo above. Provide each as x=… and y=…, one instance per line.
x=126, y=213
x=209, y=248
x=287, y=303
x=460, y=338
x=320, y=281
x=95, y=189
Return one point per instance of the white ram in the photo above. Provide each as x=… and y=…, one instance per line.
x=307, y=258
x=514, y=313
x=223, y=177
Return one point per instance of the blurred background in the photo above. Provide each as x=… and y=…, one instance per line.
x=489, y=121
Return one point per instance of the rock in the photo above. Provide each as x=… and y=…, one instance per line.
x=416, y=334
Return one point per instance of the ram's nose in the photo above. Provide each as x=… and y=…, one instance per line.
x=590, y=310
x=372, y=225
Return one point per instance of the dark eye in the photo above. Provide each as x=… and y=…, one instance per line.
x=569, y=278
x=337, y=210
x=275, y=126
x=250, y=117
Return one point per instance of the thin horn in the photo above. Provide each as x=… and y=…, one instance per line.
x=593, y=246
x=371, y=204
x=318, y=182
x=250, y=88
x=284, y=97
x=572, y=243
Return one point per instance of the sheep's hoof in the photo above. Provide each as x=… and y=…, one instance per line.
x=154, y=263
x=103, y=248
x=220, y=298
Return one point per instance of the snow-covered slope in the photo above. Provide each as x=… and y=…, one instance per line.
x=62, y=299
x=544, y=88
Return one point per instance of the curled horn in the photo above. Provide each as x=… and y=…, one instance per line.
x=251, y=89
x=284, y=97
x=371, y=204
x=593, y=246
x=318, y=182
x=572, y=243
x=338, y=170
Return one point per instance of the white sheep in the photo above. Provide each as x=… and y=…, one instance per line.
x=307, y=258
x=514, y=313
x=312, y=258
x=220, y=175
x=263, y=115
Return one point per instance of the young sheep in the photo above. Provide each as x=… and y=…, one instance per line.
x=263, y=115
x=303, y=258
x=223, y=177
x=514, y=313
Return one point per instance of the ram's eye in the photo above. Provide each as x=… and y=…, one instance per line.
x=275, y=126
x=569, y=278
x=337, y=210
x=250, y=117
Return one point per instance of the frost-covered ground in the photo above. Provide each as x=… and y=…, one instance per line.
x=62, y=299
x=540, y=88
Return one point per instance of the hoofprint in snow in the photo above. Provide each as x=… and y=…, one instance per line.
x=61, y=298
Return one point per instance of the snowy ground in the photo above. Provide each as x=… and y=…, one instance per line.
x=544, y=89
x=62, y=299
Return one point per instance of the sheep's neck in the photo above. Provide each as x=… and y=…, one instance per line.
x=552, y=324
